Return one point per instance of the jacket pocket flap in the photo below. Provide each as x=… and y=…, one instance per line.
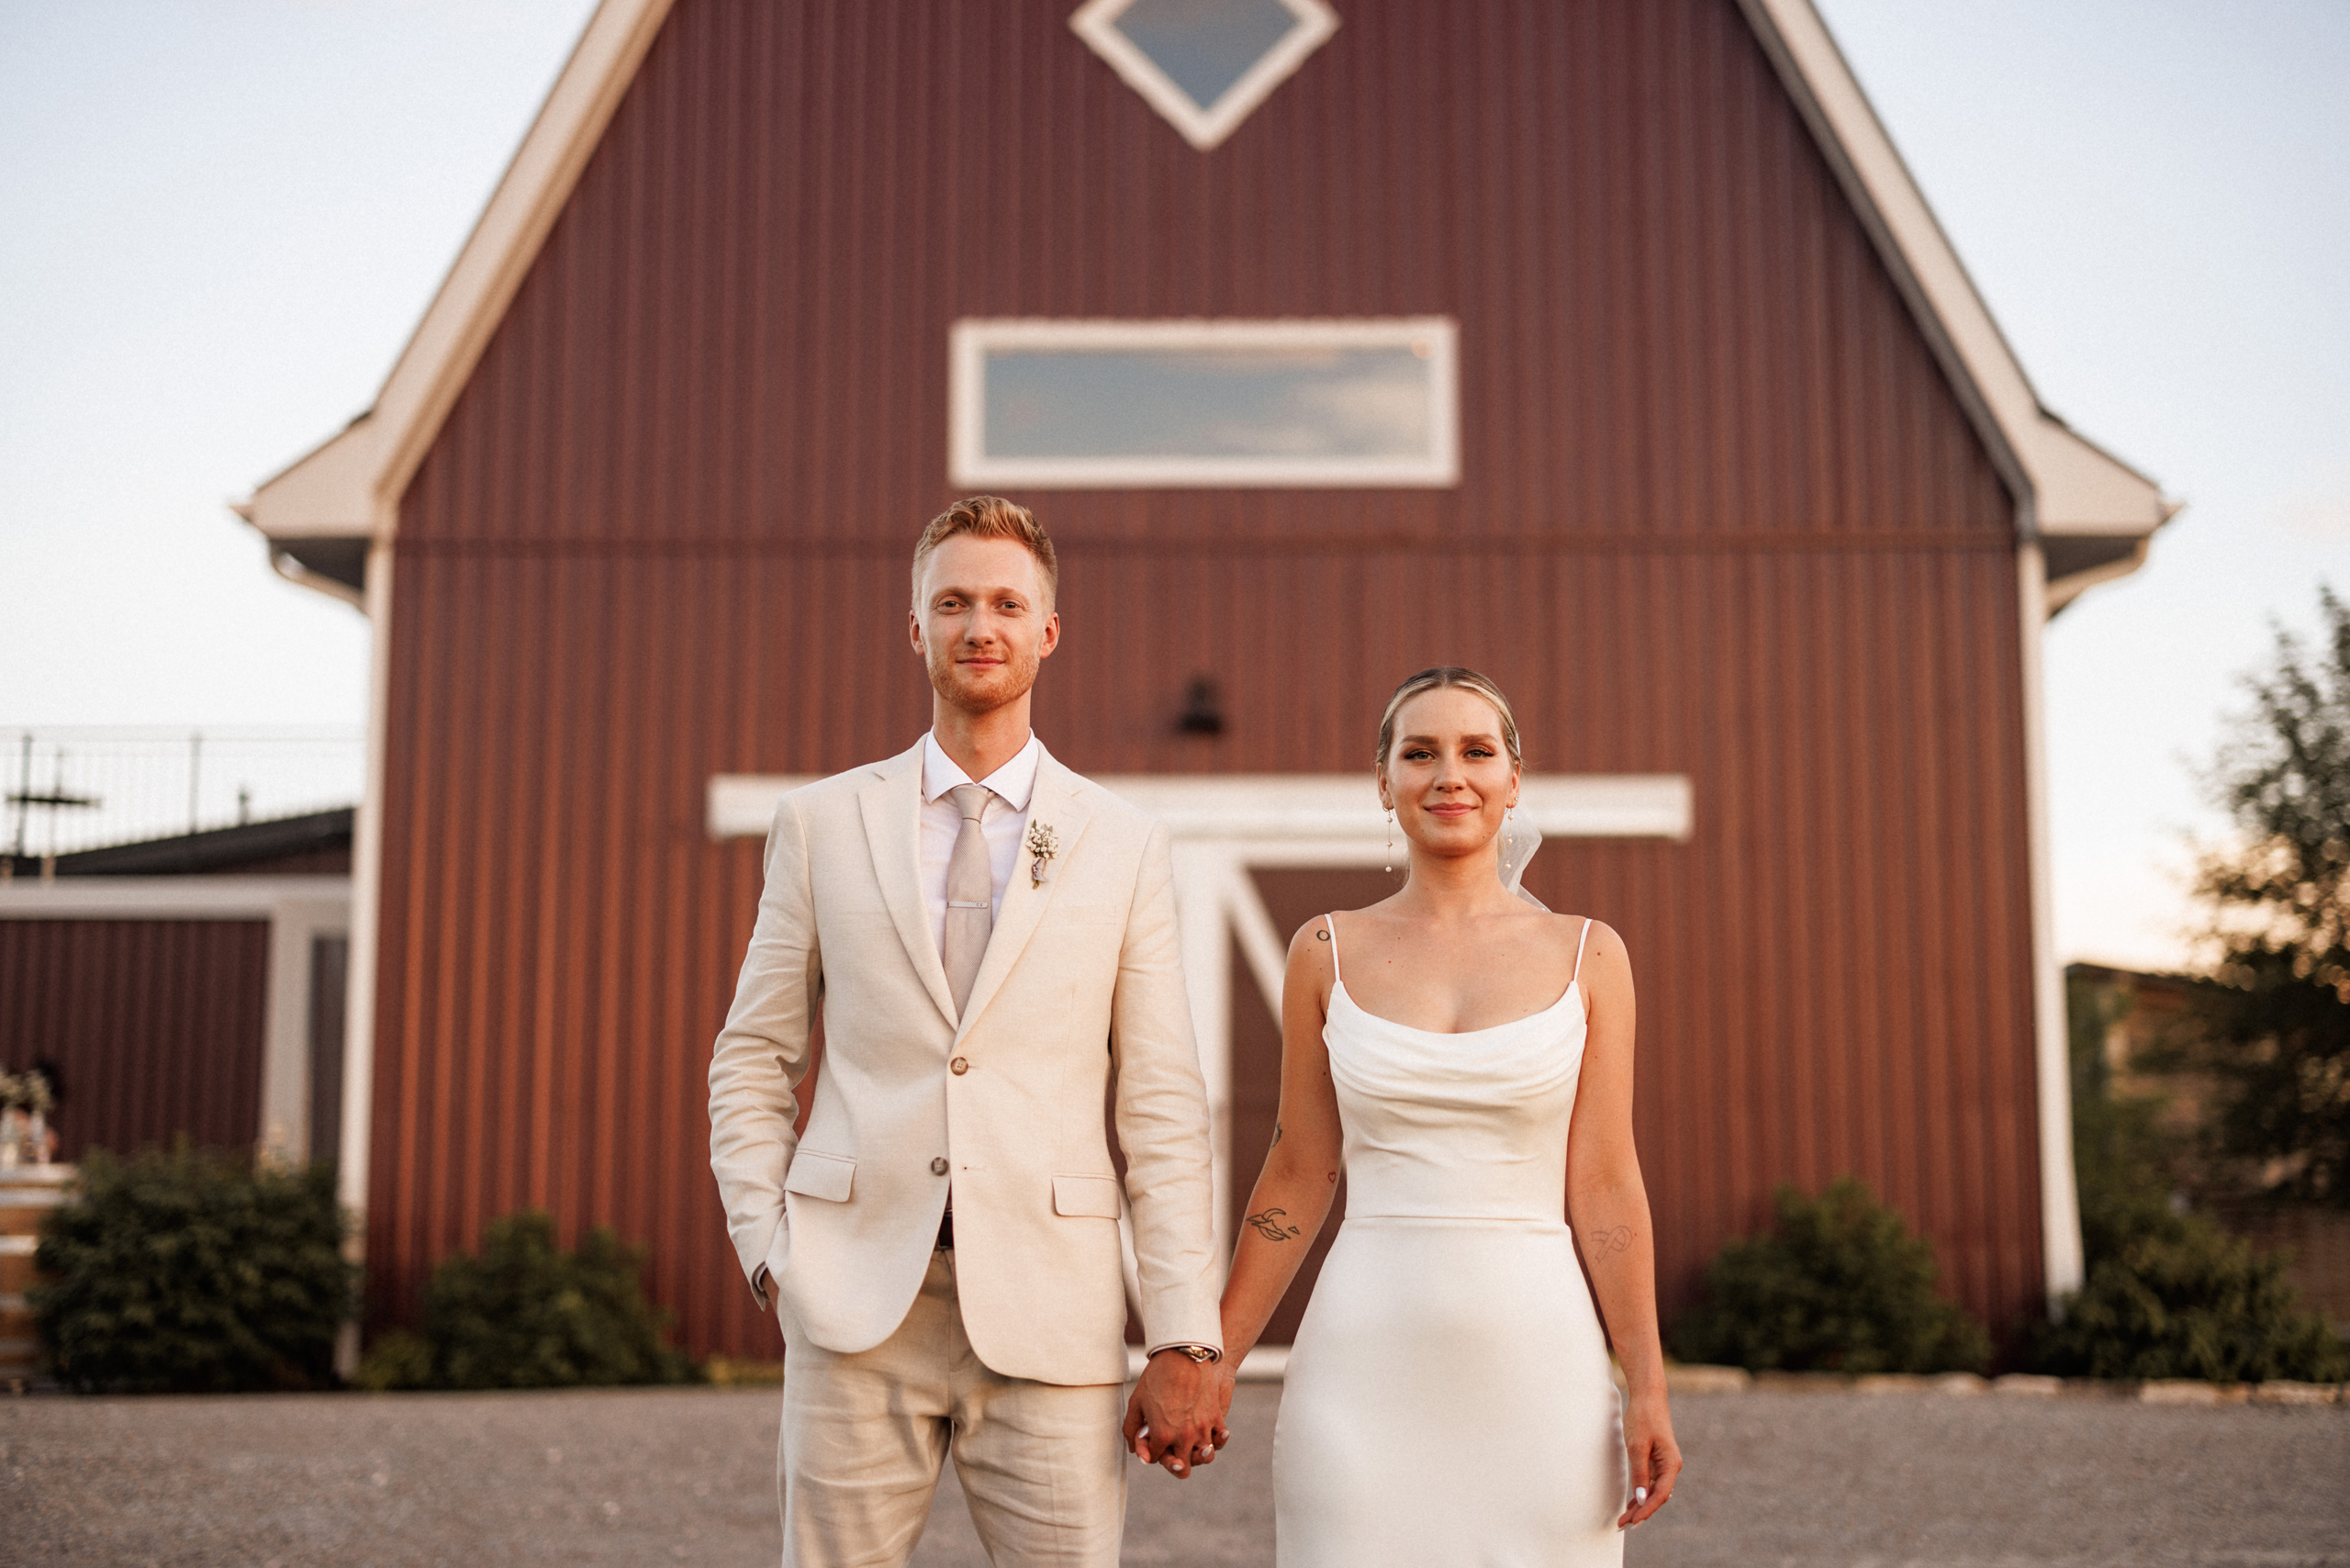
x=1090, y=1197
x=825, y=1176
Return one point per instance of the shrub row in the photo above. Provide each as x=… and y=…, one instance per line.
x=184, y=1271
x=1840, y=1286
x=181, y=1271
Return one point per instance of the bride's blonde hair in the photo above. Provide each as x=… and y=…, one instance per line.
x=1436, y=679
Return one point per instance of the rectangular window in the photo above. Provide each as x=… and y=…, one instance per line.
x=1086, y=405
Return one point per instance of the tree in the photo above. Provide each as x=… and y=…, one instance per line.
x=2168, y=1295
x=2277, y=1028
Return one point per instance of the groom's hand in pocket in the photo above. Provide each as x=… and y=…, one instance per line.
x=1175, y=1416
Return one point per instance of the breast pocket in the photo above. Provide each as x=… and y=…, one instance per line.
x=825, y=1176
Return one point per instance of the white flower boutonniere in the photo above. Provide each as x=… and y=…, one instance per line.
x=1043, y=845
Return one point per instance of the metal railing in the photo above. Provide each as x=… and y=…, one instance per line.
x=69, y=788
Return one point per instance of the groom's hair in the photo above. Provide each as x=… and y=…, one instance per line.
x=991, y=517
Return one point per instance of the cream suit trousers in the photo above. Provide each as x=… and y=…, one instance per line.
x=865, y=1435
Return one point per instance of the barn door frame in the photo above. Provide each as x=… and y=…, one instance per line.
x=1224, y=827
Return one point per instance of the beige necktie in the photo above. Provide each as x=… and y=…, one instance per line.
x=970, y=895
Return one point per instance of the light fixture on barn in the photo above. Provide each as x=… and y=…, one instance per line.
x=1202, y=711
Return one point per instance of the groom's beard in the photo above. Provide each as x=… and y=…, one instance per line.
x=977, y=691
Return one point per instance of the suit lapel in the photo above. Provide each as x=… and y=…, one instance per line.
x=1056, y=803
x=892, y=804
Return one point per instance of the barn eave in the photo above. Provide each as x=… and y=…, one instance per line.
x=349, y=488
x=2078, y=502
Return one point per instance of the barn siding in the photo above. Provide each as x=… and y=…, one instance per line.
x=1719, y=516
x=154, y=1027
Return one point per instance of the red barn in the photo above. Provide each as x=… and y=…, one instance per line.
x=1604, y=345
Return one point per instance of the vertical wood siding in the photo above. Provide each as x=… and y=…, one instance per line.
x=1719, y=516
x=154, y=1027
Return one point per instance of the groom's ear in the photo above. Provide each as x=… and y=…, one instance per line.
x=1052, y=637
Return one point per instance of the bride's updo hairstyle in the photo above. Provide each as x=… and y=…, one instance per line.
x=1436, y=679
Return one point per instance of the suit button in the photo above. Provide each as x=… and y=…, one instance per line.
x=958, y=1067
x=938, y=1165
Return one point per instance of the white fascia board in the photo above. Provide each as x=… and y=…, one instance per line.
x=1330, y=814
x=325, y=494
x=2065, y=485
x=351, y=487
x=320, y=900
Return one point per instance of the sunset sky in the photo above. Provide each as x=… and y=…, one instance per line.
x=223, y=218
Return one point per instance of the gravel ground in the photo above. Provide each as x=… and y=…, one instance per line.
x=1820, y=1479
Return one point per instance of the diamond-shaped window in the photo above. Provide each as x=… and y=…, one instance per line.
x=1204, y=64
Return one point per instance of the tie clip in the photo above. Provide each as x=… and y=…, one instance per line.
x=959, y=904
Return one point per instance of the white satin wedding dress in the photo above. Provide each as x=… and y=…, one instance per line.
x=1448, y=1401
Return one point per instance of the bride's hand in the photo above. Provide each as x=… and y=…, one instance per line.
x=1655, y=1456
x=1227, y=1376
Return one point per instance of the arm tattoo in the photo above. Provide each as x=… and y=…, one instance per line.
x=1608, y=1243
x=1277, y=1136
x=1268, y=1224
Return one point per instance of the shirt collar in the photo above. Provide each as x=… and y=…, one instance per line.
x=1013, y=783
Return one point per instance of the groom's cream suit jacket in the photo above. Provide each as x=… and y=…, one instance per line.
x=1079, y=1002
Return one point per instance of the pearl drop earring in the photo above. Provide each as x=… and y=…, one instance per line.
x=1390, y=841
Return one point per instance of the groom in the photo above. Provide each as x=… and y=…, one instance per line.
x=991, y=939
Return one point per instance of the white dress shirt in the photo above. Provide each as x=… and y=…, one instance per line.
x=1003, y=822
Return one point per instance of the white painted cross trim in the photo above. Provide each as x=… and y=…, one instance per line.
x=1205, y=126
x=1226, y=826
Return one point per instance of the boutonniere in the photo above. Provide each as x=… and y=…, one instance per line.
x=1043, y=845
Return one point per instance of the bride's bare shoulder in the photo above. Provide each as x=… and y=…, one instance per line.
x=1311, y=942
x=1595, y=936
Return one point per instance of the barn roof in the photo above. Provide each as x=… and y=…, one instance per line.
x=2092, y=513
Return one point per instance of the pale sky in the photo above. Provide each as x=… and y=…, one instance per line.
x=222, y=219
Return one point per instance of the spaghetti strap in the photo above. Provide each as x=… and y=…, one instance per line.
x=1330, y=925
x=1579, y=942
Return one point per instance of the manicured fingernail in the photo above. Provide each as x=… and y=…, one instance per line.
x=1639, y=1495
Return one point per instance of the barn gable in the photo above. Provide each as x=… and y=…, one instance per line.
x=2093, y=514
x=1750, y=494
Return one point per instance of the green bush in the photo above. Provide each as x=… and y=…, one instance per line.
x=1838, y=1285
x=525, y=1314
x=2172, y=1296
x=2167, y=1294
x=186, y=1273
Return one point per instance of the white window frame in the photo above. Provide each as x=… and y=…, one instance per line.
x=1205, y=126
x=971, y=340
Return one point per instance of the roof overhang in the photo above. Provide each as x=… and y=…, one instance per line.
x=2078, y=501
x=350, y=488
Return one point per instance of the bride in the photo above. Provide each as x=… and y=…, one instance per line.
x=1467, y=1056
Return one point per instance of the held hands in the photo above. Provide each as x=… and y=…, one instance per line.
x=1655, y=1458
x=1176, y=1416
